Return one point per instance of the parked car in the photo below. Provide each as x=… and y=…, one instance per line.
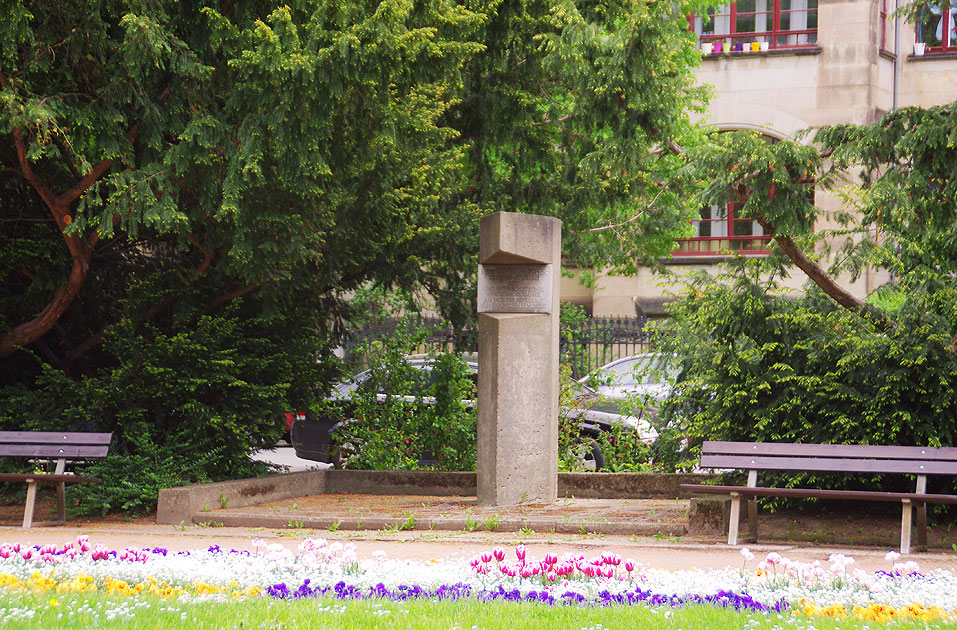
x=312, y=437
x=629, y=391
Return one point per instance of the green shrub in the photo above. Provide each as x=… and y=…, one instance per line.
x=396, y=431
x=184, y=407
x=760, y=365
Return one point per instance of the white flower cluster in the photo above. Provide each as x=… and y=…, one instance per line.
x=325, y=564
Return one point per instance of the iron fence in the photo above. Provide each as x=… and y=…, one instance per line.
x=593, y=342
x=584, y=346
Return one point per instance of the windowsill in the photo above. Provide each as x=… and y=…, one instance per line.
x=933, y=56
x=705, y=259
x=777, y=52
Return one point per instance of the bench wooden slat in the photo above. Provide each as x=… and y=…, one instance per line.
x=54, y=437
x=821, y=493
x=833, y=464
x=53, y=451
x=844, y=451
x=48, y=478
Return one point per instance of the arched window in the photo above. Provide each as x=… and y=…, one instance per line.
x=724, y=230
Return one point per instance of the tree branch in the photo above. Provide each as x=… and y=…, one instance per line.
x=232, y=295
x=551, y=122
x=821, y=278
x=648, y=207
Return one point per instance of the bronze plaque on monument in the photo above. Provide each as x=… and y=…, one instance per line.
x=518, y=288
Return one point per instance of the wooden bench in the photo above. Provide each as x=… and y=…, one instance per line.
x=51, y=446
x=829, y=458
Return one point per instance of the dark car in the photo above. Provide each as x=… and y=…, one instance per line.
x=312, y=437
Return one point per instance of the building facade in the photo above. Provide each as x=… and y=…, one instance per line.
x=782, y=66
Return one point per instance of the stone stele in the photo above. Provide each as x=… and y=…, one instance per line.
x=519, y=272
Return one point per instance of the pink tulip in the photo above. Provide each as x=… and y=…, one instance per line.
x=499, y=553
x=611, y=558
x=486, y=556
x=629, y=565
x=520, y=552
x=27, y=554
x=552, y=576
x=550, y=559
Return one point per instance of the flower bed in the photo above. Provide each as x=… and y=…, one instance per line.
x=333, y=570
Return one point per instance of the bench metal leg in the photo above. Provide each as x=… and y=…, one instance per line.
x=905, y=525
x=31, y=502
x=735, y=517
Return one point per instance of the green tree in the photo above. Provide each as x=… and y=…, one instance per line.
x=826, y=366
x=296, y=145
x=579, y=110
x=171, y=170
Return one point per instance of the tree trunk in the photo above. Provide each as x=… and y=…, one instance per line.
x=28, y=332
x=821, y=278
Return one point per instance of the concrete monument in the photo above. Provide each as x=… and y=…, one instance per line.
x=519, y=270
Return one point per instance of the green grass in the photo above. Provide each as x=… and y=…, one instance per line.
x=142, y=613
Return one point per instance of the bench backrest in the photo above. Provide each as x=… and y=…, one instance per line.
x=54, y=444
x=851, y=458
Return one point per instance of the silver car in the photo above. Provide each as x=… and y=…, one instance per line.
x=629, y=391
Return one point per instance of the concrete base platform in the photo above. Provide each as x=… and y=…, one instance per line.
x=356, y=512
x=198, y=503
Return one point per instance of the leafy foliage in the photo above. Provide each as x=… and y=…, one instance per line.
x=400, y=422
x=164, y=160
x=760, y=365
x=763, y=365
x=565, y=112
x=184, y=408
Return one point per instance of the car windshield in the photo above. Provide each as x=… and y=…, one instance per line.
x=642, y=370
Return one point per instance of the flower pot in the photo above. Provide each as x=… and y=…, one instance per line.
x=738, y=47
x=919, y=48
x=726, y=46
x=707, y=48
x=764, y=46
x=755, y=46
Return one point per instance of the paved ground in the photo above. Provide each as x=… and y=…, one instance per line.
x=655, y=553
x=650, y=531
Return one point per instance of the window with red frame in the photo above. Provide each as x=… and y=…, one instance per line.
x=720, y=230
x=937, y=26
x=776, y=23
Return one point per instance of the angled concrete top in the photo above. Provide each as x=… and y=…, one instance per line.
x=513, y=238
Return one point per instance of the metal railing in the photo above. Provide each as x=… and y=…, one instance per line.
x=584, y=346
